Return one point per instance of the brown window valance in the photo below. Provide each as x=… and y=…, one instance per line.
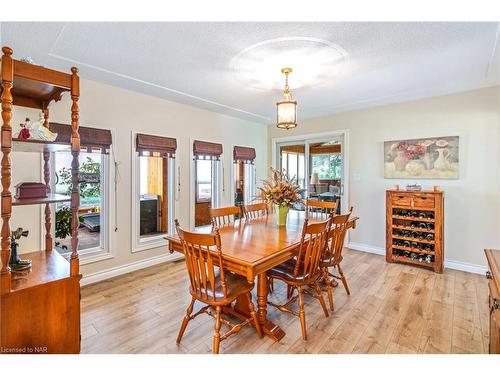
x=90, y=138
x=165, y=146
x=207, y=150
x=244, y=154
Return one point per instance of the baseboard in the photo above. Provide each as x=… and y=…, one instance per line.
x=126, y=268
x=366, y=248
x=466, y=267
x=448, y=263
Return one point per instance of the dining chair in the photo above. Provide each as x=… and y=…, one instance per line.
x=211, y=284
x=320, y=209
x=225, y=215
x=333, y=255
x=255, y=210
x=303, y=270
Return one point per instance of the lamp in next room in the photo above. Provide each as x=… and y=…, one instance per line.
x=314, y=180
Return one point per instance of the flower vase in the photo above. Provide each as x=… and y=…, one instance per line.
x=282, y=213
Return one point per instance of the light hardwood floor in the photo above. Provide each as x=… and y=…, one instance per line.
x=392, y=309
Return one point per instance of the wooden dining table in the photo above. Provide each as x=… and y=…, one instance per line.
x=252, y=247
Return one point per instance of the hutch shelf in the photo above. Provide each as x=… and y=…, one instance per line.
x=40, y=308
x=414, y=228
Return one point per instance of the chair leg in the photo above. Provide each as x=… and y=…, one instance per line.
x=344, y=280
x=270, y=284
x=217, y=330
x=302, y=314
x=253, y=315
x=289, y=291
x=186, y=320
x=329, y=291
x=321, y=299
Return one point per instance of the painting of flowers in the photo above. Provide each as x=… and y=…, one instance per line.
x=425, y=158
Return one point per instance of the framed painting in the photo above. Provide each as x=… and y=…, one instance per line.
x=423, y=158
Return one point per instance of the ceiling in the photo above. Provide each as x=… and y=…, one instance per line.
x=225, y=67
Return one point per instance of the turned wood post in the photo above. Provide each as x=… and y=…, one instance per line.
x=6, y=200
x=48, y=216
x=46, y=117
x=75, y=165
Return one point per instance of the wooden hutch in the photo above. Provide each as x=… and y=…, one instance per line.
x=493, y=276
x=40, y=309
x=414, y=228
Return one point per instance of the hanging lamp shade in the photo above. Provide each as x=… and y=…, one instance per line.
x=286, y=110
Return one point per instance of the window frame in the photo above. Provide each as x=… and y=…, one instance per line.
x=252, y=174
x=107, y=250
x=151, y=242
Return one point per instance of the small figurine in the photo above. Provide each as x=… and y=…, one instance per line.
x=24, y=133
x=15, y=262
x=40, y=132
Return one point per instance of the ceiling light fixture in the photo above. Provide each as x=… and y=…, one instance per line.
x=286, y=109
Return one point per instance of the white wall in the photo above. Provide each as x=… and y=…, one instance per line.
x=472, y=203
x=125, y=111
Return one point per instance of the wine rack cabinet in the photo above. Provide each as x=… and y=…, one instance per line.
x=414, y=228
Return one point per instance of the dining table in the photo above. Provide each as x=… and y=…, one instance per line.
x=251, y=247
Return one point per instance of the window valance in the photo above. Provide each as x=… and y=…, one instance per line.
x=90, y=138
x=152, y=144
x=207, y=150
x=244, y=154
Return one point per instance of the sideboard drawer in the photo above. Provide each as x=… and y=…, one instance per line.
x=423, y=202
x=401, y=200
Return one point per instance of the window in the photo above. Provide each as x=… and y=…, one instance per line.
x=93, y=208
x=207, y=184
x=244, y=179
x=327, y=166
x=153, y=190
x=203, y=180
x=153, y=168
x=294, y=164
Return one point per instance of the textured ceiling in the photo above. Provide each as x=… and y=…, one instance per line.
x=191, y=63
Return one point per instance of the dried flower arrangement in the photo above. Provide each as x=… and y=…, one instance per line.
x=280, y=190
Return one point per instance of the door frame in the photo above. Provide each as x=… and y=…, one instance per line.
x=307, y=138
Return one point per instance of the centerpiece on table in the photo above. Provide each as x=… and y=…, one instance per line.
x=282, y=192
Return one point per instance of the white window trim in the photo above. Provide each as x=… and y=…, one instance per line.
x=95, y=254
x=152, y=242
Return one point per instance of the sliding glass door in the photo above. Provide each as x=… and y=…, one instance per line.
x=317, y=165
x=292, y=161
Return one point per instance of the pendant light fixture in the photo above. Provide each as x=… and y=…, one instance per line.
x=287, y=108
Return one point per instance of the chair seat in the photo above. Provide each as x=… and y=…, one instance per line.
x=235, y=284
x=284, y=271
x=330, y=262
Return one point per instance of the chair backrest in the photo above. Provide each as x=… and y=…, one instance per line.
x=338, y=229
x=202, y=254
x=312, y=247
x=255, y=210
x=225, y=215
x=320, y=209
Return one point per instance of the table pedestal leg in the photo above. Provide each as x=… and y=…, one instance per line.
x=242, y=309
x=268, y=328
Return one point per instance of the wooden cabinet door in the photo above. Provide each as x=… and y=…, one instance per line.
x=494, y=320
x=494, y=331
